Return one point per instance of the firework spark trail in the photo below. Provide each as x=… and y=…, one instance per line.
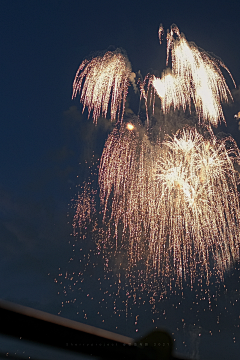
x=195, y=77
x=102, y=80
x=167, y=201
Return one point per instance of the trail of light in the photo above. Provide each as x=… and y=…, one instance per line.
x=101, y=81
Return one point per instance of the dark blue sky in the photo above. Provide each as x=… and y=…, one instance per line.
x=42, y=44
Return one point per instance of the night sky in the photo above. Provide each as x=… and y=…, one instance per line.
x=44, y=138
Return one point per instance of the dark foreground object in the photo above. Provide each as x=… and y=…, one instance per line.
x=34, y=325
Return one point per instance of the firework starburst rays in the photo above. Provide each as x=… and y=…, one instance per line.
x=102, y=80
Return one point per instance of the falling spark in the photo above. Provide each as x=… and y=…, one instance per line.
x=195, y=76
x=101, y=81
x=85, y=208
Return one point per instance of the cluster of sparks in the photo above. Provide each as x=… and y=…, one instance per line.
x=103, y=80
x=173, y=205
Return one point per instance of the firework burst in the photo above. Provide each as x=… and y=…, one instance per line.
x=195, y=77
x=101, y=81
x=164, y=200
x=171, y=206
x=201, y=221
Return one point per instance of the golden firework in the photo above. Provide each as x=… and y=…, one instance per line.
x=101, y=81
x=199, y=202
x=195, y=77
x=171, y=206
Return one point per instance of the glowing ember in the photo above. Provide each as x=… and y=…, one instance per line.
x=130, y=126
